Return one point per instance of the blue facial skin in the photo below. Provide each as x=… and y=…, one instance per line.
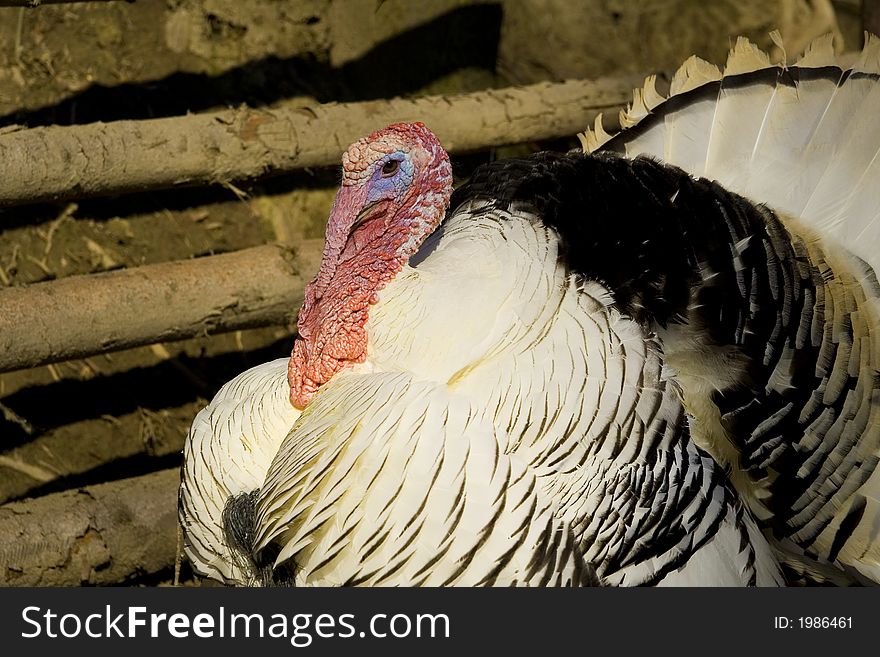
x=395, y=185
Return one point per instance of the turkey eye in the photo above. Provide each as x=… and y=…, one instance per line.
x=390, y=168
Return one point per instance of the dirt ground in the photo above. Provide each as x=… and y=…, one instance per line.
x=125, y=413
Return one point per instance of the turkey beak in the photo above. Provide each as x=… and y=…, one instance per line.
x=352, y=246
x=362, y=216
x=348, y=205
x=347, y=208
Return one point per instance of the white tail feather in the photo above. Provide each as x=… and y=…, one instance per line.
x=804, y=141
x=684, y=130
x=819, y=53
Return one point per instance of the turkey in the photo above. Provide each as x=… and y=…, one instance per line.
x=653, y=363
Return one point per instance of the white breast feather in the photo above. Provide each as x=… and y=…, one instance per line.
x=228, y=451
x=469, y=463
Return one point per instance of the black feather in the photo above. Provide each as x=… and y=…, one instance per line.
x=644, y=229
x=672, y=248
x=239, y=529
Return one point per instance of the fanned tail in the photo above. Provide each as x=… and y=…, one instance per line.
x=802, y=139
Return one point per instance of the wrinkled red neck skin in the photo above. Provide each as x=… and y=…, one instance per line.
x=355, y=266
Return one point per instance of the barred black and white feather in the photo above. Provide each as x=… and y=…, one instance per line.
x=519, y=432
x=777, y=350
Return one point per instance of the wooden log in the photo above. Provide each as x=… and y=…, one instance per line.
x=103, y=534
x=84, y=315
x=55, y=162
x=30, y=4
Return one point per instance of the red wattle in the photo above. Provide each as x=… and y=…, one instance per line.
x=363, y=252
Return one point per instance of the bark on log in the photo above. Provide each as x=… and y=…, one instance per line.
x=53, y=163
x=84, y=315
x=102, y=534
x=36, y=3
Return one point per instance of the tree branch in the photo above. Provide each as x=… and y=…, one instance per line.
x=36, y=3
x=84, y=315
x=52, y=163
x=102, y=534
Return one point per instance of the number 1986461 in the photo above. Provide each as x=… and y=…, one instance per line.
x=813, y=622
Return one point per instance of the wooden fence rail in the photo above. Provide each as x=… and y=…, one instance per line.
x=30, y=4
x=63, y=162
x=102, y=534
x=84, y=315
